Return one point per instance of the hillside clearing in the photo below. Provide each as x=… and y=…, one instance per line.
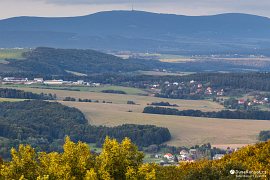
x=12, y=53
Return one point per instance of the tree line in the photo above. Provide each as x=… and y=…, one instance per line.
x=163, y=104
x=264, y=135
x=20, y=94
x=43, y=125
x=225, y=114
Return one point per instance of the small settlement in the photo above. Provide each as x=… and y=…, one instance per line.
x=26, y=81
x=190, y=155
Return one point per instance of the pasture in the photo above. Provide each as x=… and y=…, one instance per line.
x=186, y=131
x=127, y=90
x=11, y=54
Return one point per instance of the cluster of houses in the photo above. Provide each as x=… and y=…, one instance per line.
x=255, y=101
x=190, y=155
x=184, y=156
x=26, y=81
x=193, y=86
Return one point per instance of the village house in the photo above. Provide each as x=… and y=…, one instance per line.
x=220, y=93
x=168, y=156
x=241, y=101
x=95, y=84
x=54, y=82
x=218, y=156
x=15, y=80
x=184, y=156
x=183, y=152
x=208, y=91
x=79, y=82
x=39, y=80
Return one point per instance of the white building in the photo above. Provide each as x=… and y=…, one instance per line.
x=168, y=156
x=96, y=84
x=39, y=80
x=218, y=156
x=54, y=82
x=13, y=79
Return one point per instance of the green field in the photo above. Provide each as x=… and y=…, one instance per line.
x=127, y=90
x=11, y=54
x=171, y=58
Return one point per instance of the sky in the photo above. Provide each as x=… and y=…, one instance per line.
x=65, y=8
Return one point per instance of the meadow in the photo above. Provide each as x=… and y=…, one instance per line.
x=10, y=100
x=186, y=131
x=127, y=90
x=11, y=54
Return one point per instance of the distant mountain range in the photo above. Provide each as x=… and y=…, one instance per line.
x=142, y=31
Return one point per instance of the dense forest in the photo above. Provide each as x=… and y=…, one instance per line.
x=50, y=61
x=43, y=125
x=226, y=114
x=123, y=161
x=20, y=94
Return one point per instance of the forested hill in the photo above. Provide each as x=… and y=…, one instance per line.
x=50, y=61
x=45, y=124
x=141, y=31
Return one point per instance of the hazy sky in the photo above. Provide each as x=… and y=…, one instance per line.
x=11, y=8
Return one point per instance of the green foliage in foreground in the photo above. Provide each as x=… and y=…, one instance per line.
x=124, y=161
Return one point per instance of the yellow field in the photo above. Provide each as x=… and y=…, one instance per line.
x=186, y=131
x=156, y=73
x=122, y=99
x=10, y=100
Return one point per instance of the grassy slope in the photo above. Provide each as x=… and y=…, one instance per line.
x=12, y=53
x=184, y=130
x=10, y=100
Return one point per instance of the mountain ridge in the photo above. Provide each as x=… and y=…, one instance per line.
x=140, y=31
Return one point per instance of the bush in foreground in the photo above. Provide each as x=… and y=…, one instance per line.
x=124, y=161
